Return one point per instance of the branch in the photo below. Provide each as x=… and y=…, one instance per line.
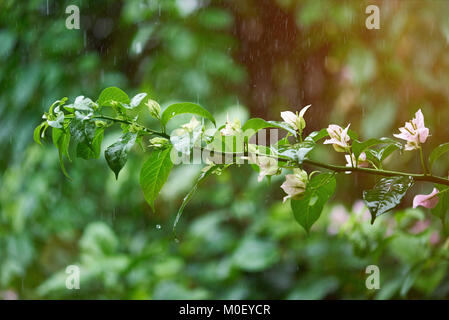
x=370, y=171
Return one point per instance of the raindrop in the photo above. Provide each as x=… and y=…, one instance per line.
x=158, y=226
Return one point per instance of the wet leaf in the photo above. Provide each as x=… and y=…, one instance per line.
x=117, y=154
x=186, y=107
x=308, y=209
x=154, y=174
x=386, y=194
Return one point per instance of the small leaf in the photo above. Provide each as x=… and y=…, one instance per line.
x=257, y=124
x=136, y=101
x=308, y=209
x=117, y=153
x=37, y=132
x=186, y=107
x=438, y=152
x=315, y=136
x=61, y=140
x=111, y=96
x=386, y=194
x=154, y=174
x=192, y=191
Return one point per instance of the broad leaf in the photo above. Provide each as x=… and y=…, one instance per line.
x=112, y=96
x=154, y=174
x=359, y=147
x=192, y=191
x=438, y=152
x=386, y=194
x=308, y=209
x=297, y=152
x=117, y=154
x=82, y=131
x=186, y=107
x=91, y=150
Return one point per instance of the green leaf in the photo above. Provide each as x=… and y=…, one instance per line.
x=136, y=101
x=257, y=124
x=315, y=136
x=61, y=140
x=297, y=152
x=112, y=96
x=442, y=208
x=386, y=194
x=185, y=107
x=438, y=152
x=91, y=150
x=154, y=174
x=359, y=147
x=82, y=130
x=308, y=209
x=192, y=191
x=117, y=153
x=37, y=132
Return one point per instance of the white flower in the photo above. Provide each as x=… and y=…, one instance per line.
x=414, y=132
x=339, y=137
x=267, y=167
x=351, y=161
x=295, y=184
x=296, y=121
x=189, y=127
x=231, y=128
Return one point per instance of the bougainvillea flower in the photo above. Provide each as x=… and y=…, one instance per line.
x=362, y=163
x=295, y=120
x=267, y=167
x=414, y=132
x=426, y=200
x=295, y=184
x=231, y=128
x=190, y=126
x=339, y=137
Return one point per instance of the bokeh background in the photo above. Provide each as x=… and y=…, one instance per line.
x=236, y=239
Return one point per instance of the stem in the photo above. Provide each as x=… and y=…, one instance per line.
x=423, y=163
x=150, y=131
x=378, y=172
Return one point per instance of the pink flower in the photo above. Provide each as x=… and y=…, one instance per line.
x=339, y=138
x=434, y=238
x=426, y=200
x=414, y=132
x=338, y=217
x=420, y=226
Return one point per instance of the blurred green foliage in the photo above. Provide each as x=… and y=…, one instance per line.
x=236, y=239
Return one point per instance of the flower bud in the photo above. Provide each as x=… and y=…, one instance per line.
x=158, y=142
x=154, y=108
